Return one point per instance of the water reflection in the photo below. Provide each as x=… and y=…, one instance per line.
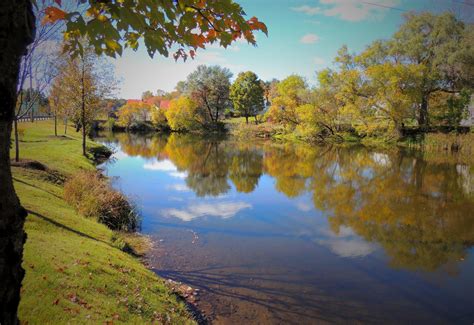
x=259, y=204
x=419, y=210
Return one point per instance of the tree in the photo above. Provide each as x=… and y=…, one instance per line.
x=393, y=88
x=209, y=88
x=246, y=94
x=134, y=112
x=290, y=96
x=325, y=115
x=161, y=93
x=147, y=94
x=158, y=118
x=109, y=26
x=184, y=114
x=37, y=70
x=85, y=83
x=440, y=43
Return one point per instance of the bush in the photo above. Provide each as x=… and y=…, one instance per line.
x=140, y=127
x=100, y=153
x=118, y=242
x=111, y=124
x=92, y=196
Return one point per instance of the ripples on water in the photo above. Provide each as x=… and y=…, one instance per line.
x=277, y=233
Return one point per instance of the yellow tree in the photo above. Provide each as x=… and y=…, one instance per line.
x=285, y=104
x=392, y=91
x=185, y=115
x=134, y=112
x=84, y=83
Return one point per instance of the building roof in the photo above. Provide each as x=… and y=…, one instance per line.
x=134, y=101
x=165, y=104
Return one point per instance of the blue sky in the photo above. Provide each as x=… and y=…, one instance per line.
x=304, y=36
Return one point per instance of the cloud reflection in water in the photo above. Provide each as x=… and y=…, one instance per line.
x=222, y=210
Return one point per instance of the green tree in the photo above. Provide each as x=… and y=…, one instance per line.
x=209, y=88
x=441, y=44
x=246, y=94
x=109, y=26
x=147, y=94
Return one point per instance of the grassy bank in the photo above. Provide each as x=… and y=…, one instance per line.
x=74, y=271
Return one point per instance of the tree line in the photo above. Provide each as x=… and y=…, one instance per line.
x=422, y=76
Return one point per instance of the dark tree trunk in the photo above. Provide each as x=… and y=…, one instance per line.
x=16, y=32
x=247, y=119
x=423, y=116
x=17, y=144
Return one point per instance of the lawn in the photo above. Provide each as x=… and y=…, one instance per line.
x=74, y=274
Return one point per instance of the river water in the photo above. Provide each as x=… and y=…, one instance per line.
x=284, y=233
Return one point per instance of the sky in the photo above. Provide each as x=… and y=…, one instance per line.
x=303, y=37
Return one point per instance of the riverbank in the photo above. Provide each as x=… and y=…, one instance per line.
x=75, y=271
x=438, y=139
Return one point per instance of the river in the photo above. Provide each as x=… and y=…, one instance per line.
x=285, y=233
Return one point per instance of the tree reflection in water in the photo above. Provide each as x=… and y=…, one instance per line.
x=418, y=207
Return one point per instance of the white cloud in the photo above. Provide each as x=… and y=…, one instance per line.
x=178, y=187
x=348, y=247
x=318, y=60
x=308, y=10
x=222, y=210
x=346, y=243
x=381, y=159
x=309, y=39
x=179, y=174
x=350, y=10
x=303, y=206
x=164, y=165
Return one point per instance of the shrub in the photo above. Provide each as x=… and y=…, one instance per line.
x=118, y=242
x=92, y=196
x=100, y=153
x=111, y=124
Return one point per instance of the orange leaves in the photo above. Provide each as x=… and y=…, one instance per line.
x=255, y=24
x=199, y=40
x=211, y=35
x=201, y=4
x=53, y=14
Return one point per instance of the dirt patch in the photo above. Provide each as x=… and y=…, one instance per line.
x=60, y=137
x=45, y=173
x=29, y=164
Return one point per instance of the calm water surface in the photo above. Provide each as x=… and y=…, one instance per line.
x=298, y=234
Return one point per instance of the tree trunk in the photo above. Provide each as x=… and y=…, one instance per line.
x=423, y=116
x=55, y=125
x=83, y=110
x=30, y=104
x=83, y=135
x=65, y=125
x=17, y=145
x=247, y=119
x=16, y=32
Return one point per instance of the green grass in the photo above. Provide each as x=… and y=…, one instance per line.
x=74, y=274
